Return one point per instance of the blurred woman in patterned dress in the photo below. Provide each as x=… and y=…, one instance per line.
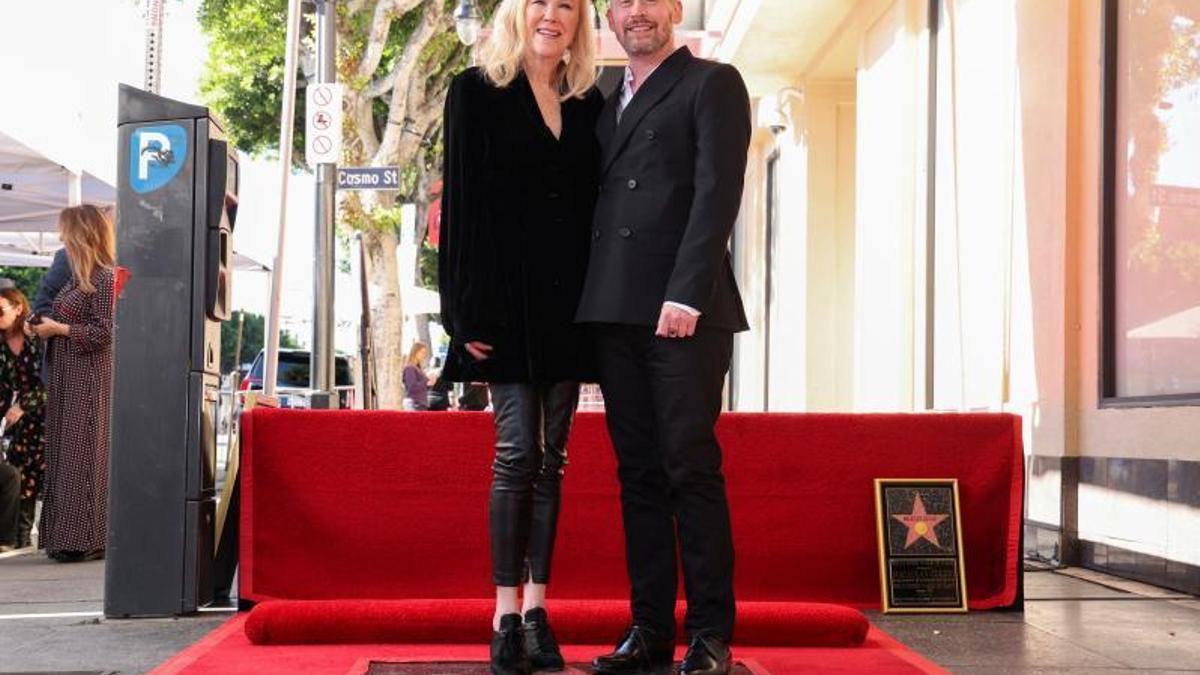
x=22, y=405
x=79, y=360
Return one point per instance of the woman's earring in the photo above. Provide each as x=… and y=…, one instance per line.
x=567, y=56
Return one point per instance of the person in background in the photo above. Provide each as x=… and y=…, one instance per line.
x=56, y=277
x=78, y=331
x=440, y=389
x=22, y=404
x=416, y=381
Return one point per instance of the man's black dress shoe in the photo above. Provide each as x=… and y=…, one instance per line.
x=707, y=655
x=540, y=646
x=641, y=650
x=508, y=652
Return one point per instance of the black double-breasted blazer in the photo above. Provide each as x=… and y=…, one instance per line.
x=517, y=208
x=671, y=176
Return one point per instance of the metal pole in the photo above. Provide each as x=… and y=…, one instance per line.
x=367, y=351
x=75, y=188
x=286, y=120
x=154, y=24
x=237, y=351
x=326, y=206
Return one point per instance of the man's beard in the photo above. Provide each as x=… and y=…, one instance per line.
x=643, y=44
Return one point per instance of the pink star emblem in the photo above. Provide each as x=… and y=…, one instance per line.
x=920, y=524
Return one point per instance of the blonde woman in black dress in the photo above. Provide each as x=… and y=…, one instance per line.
x=522, y=161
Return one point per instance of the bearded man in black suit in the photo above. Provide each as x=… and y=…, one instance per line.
x=663, y=305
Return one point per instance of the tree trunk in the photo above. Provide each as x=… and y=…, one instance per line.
x=387, y=318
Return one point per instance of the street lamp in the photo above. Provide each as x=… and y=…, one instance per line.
x=468, y=21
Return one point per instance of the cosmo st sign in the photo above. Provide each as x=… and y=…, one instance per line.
x=369, y=178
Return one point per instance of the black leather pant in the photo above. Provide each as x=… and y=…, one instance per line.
x=532, y=425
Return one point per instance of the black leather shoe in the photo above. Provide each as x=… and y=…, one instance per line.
x=707, y=655
x=540, y=646
x=508, y=649
x=641, y=650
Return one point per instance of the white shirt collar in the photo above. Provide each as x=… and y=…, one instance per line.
x=627, y=85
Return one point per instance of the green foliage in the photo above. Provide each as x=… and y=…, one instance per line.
x=26, y=278
x=243, y=79
x=252, y=340
x=427, y=266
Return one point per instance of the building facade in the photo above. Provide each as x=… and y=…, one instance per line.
x=992, y=205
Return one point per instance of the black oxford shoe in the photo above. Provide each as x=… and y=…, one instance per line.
x=707, y=655
x=641, y=650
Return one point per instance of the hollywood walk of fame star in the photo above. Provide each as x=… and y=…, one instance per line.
x=921, y=525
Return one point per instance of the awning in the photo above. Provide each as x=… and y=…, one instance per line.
x=33, y=189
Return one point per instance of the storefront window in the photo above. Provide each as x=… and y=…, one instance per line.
x=1152, y=213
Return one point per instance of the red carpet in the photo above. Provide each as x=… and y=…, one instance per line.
x=385, y=505
x=784, y=624
x=227, y=651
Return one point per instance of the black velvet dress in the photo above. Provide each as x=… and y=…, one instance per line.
x=517, y=211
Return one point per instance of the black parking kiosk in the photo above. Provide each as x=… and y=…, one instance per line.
x=176, y=206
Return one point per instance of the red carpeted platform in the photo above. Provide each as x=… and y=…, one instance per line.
x=384, y=505
x=227, y=651
x=784, y=624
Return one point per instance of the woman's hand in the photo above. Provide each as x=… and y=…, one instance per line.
x=478, y=350
x=50, y=328
x=14, y=414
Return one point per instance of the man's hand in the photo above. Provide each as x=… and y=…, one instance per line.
x=478, y=350
x=674, y=322
x=14, y=414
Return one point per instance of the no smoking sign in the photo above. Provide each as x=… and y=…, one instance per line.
x=323, y=124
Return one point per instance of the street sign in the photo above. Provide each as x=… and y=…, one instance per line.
x=369, y=178
x=323, y=124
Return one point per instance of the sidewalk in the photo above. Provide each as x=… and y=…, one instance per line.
x=51, y=620
x=1075, y=622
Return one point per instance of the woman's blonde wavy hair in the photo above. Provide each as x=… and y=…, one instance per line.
x=501, y=55
x=87, y=234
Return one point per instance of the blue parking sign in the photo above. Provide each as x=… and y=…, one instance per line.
x=156, y=155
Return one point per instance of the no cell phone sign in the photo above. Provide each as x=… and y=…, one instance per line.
x=323, y=124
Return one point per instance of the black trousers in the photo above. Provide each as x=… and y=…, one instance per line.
x=25, y=521
x=10, y=503
x=532, y=425
x=663, y=397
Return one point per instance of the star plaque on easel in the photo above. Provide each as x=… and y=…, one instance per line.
x=920, y=545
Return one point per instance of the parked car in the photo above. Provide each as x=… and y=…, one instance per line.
x=293, y=383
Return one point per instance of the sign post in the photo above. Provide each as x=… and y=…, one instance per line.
x=323, y=120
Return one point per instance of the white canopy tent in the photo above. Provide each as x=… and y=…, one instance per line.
x=33, y=189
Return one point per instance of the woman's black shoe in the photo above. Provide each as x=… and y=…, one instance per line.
x=508, y=653
x=540, y=646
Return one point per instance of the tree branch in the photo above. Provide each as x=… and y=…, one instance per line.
x=355, y=6
x=363, y=117
x=397, y=126
x=381, y=24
